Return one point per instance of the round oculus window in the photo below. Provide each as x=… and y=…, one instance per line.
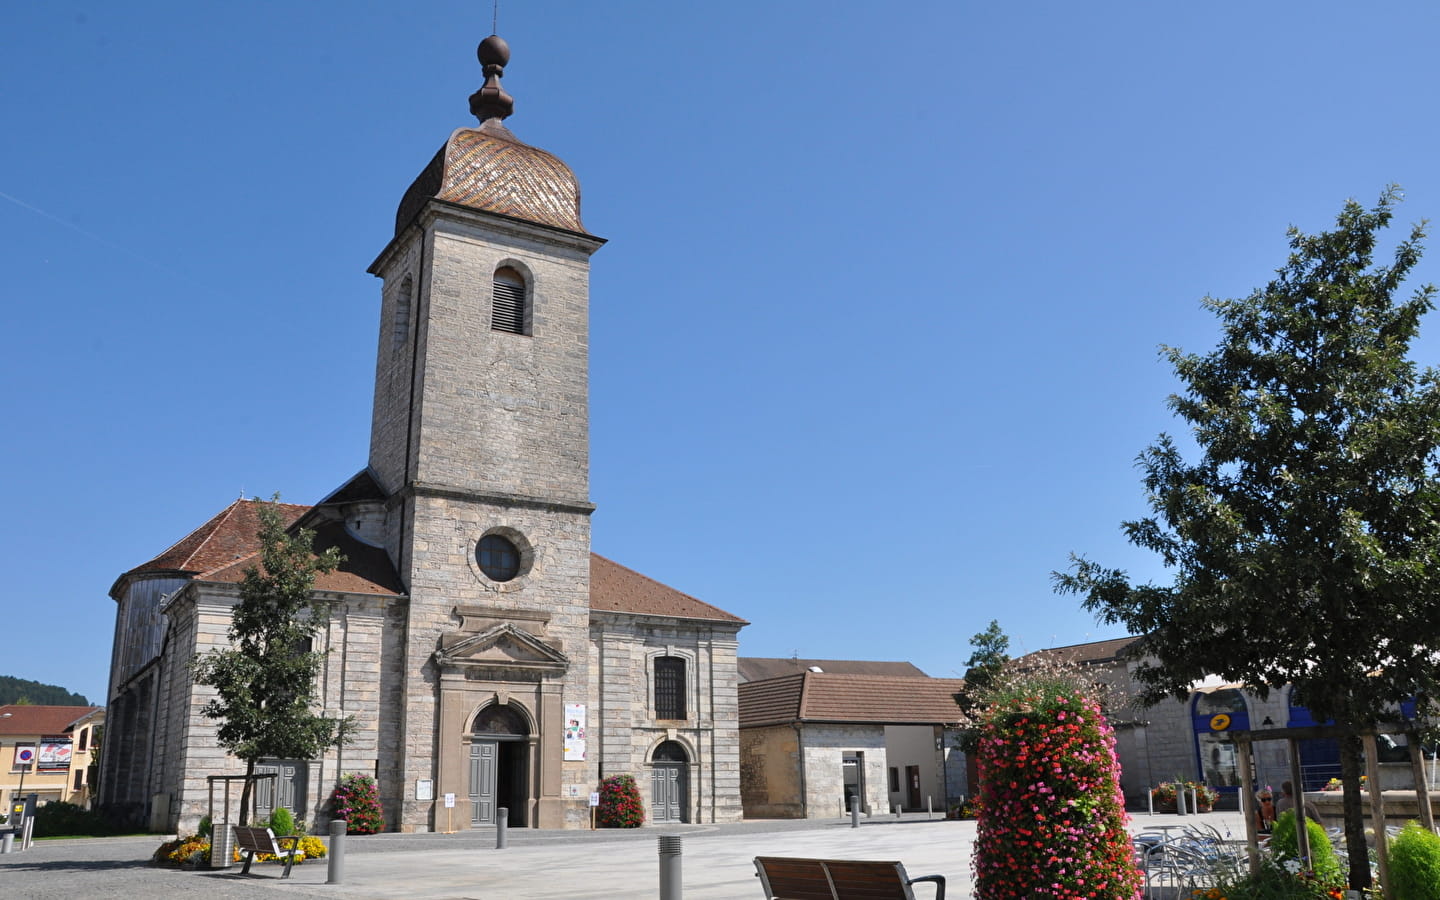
x=499, y=558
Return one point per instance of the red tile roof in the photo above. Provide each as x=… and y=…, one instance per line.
x=864, y=699
x=758, y=668
x=23, y=719
x=228, y=536
x=614, y=588
x=224, y=547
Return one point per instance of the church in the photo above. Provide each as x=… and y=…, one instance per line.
x=489, y=660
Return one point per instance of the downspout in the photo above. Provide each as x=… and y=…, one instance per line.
x=800, y=762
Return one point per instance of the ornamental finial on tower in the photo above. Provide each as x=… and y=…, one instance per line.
x=491, y=101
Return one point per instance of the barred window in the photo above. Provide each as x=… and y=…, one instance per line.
x=669, y=687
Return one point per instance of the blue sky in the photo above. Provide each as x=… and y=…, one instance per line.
x=874, y=338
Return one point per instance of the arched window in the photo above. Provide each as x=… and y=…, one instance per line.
x=508, y=311
x=669, y=687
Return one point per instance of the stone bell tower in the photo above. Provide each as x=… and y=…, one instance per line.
x=480, y=440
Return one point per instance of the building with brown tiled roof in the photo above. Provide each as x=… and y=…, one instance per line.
x=479, y=646
x=813, y=741
x=48, y=752
x=759, y=668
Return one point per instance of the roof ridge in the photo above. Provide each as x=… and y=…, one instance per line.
x=804, y=693
x=214, y=526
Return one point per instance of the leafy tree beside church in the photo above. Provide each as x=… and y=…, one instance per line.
x=1304, y=537
x=265, y=682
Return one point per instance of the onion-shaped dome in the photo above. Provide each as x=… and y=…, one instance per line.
x=488, y=168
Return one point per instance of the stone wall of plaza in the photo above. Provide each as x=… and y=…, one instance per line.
x=825, y=749
x=1158, y=743
x=622, y=723
x=770, y=772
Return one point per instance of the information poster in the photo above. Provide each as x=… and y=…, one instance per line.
x=54, y=754
x=574, y=731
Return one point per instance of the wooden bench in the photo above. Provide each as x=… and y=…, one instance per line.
x=789, y=878
x=251, y=841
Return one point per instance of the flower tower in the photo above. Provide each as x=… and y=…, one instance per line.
x=1052, y=817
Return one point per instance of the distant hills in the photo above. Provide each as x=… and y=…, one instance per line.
x=20, y=690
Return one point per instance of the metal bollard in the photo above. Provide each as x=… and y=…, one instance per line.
x=929, y=807
x=670, y=885
x=897, y=812
x=1180, y=801
x=502, y=821
x=855, y=813
x=7, y=842
x=335, y=874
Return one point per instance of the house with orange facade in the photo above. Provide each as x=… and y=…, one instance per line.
x=48, y=751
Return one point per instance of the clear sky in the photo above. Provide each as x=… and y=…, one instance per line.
x=874, y=338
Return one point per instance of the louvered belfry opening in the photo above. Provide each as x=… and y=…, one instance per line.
x=508, y=311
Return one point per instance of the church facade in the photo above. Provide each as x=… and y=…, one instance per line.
x=489, y=659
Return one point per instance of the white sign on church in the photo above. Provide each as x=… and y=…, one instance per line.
x=574, y=731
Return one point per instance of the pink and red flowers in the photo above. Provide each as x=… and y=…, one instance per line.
x=1052, y=818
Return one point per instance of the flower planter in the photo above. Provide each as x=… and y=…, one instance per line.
x=1162, y=806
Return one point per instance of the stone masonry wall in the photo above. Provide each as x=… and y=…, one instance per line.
x=825, y=747
x=498, y=441
x=623, y=714
x=770, y=772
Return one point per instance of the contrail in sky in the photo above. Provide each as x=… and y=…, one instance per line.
x=94, y=237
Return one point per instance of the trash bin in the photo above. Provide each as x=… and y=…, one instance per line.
x=222, y=845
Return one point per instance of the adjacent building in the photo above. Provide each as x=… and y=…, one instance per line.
x=818, y=736
x=50, y=751
x=488, y=658
x=1188, y=739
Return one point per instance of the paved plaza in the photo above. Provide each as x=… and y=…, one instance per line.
x=537, y=865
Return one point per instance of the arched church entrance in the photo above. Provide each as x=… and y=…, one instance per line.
x=498, y=766
x=669, y=783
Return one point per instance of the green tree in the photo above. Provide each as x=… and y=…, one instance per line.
x=989, y=653
x=23, y=692
x=265, y=682
x=1304, y=541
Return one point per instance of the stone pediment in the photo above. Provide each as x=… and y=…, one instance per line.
x=501, y=647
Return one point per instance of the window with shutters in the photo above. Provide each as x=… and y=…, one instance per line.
x=669, y=687
x=508, y=311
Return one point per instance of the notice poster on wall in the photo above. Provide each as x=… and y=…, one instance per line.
x=574, y=731
x=54, y=754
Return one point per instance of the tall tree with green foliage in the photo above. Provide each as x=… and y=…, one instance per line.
x=1304, y=540
x=990, y=652
x=265, y=682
